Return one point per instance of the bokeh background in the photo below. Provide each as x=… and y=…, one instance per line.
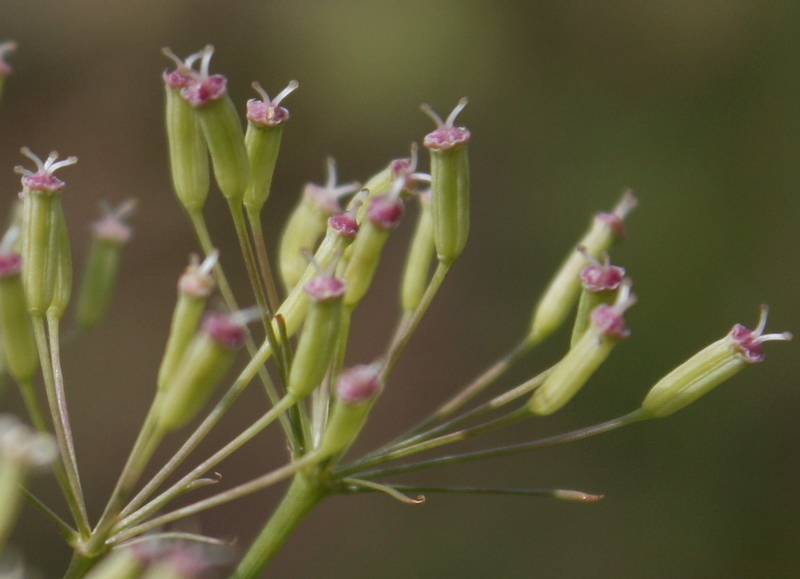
x=693, y=104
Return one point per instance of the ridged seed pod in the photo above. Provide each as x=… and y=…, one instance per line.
x=419, y=258
x=20, y=353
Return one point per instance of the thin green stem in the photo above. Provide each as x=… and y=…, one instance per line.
x=430, y=444
x=255, y=365
x=247, y=488
x=70, y=482
x=580, y=434
x=63, y=527
x=201, y=230
x=475, y=387
x=561, y=494
x=303, y=495
x=254, y=218
x=409, y=326
x=185, y=483
x=32, y=405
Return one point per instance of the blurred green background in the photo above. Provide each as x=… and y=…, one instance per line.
x=693, y=104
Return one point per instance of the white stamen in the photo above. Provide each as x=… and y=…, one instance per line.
x=261, y=92
x=206, y=55
x=244, y=317
x=209, y=263
x=625, y=299
x=626, y=204
x=426, y=108
x=451, y=118
x=284, y=93
x=762, y=320
x=10, y=238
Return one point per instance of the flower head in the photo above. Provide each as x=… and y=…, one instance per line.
x=748, y=343
x=43, y=179
x=269, y=112
x=446, y=136
x=198, y=87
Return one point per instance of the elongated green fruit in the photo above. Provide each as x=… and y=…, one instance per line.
x=263, y=141
x=41, y=233
x=709, y=368
x=449, y=183
x=21, y=355
x=420, y=255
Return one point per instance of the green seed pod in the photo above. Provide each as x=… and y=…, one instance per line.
x=307, y=224
x=600, y=282
x=356, y=391
x=342, y=230
x=318, y=340
x=20, y=353
x=109, y=236
x=449, y=183
x=194, y=287
x=208, y=94
x=5, y=69
x=42, y=220
x=263, y=141
x=21, y=450
x=188, y=153
x=207, y=360
x=383, y=215
x=582, y=360
x=62, y=283
x=560, y=296
x=420, y=255
x=709, y=367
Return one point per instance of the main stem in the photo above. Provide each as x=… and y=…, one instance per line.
x=303, y=495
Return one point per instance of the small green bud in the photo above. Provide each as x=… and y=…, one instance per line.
x=41, y=235
x=109, y=236
x=21, y=450
x=208, y=94
x=560, y=296
x=583, y=359
x=449, y=183
x=342, y=230
x=194, y=287
x=318, y=340
x=420, y=255
x=188, y=153
x=5, y=69
x=356, y=391
x=263, y=141
x=202, y=368
x=709, y=368
x=383, y=215
x=21, y=355
x=600, y=282
x=307, y=224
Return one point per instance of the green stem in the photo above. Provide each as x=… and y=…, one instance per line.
x=182, y=485
x=199, y=224
x=408, y=327
x=587, y=432
x=303, y=495
x=70, y=481
x=32, y=405
x=242, y=490
x=254, y=218
x=255, y=365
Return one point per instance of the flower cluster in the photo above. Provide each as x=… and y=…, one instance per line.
x=295, y=337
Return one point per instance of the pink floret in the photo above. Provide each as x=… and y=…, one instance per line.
x=202, y=91
x=266, y=114
x=10, y=264
x=42, y=181
x=223, y=331
x=385, y=211
x=609, y=321
x=445, y=138
x=748, y=344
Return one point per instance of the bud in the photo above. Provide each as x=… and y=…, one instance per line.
x=21, y=450
x=194, y=287
x=562, y=293
x=420, y=255
x=356, y=391
x=320, y=332
x=188, y=153
x=574, y=370
x=208, y=94
x=600, y=281
x=449, y=182
x=383, y=215
x=110, y=235
x=207, y=360
x=21, y=355
x=307, y=224
x=41, y=236
x=62, y=290
x=342, y=230
x=404, y=168
x=263, y=140
x=5, y=69
x=709, y=368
